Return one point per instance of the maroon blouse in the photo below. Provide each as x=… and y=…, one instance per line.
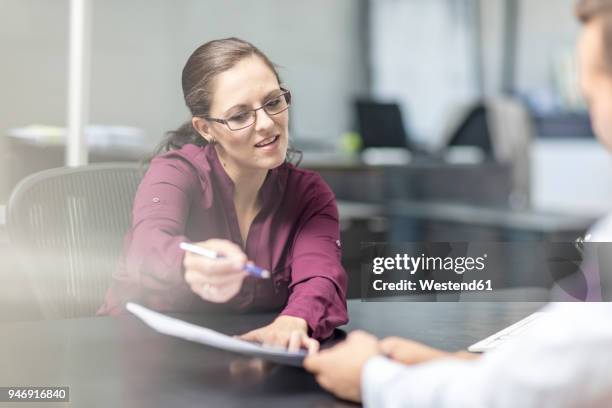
x=186, y=195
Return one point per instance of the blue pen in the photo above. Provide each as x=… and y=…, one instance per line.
x=252, y=269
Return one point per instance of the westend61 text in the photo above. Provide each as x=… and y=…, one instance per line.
x=429, y=285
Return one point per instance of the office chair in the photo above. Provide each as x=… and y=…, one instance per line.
x=512, y=134
x=502, y=128
x=67, y=227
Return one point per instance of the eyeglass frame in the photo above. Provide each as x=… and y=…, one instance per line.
x=286, y=93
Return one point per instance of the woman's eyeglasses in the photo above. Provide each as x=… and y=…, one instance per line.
x=246, y=118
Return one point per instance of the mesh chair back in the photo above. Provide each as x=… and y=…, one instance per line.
x=67, y=226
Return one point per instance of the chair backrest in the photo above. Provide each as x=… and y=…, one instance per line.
x=67, y=226
x=512, y=134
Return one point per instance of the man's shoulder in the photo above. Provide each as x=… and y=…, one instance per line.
x=601, y=231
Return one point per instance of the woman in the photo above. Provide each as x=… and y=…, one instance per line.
x=225, y=184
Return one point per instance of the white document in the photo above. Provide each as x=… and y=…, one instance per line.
x=188, y=331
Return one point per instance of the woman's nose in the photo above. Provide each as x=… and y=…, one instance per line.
x=263, y=121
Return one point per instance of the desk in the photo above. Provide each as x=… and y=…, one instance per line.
x=110, y=362
x=549, y=223
x=486, y=183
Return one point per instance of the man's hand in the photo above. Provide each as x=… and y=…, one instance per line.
x=285, y=331
x=338, y=369
x=411, y=352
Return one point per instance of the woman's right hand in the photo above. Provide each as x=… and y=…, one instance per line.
x=216, y=280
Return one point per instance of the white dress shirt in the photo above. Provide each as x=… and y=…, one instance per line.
x=564, y=360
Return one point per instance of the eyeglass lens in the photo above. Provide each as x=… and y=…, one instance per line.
x=245, y=119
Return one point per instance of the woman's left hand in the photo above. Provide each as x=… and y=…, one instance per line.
x=285, y=331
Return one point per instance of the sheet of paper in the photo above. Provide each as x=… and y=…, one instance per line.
x=192, y=332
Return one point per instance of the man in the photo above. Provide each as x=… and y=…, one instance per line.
x=564, y=362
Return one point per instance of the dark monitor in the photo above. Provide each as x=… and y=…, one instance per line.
x=473, y=130
x=380, y=124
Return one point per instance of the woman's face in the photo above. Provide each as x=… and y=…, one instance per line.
x=246, y=86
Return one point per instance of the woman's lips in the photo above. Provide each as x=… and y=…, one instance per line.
x=268, y=142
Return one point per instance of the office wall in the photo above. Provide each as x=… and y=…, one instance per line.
x=547, y=28
x=422, y=56
x=139, y=48
x=548, y=31
x=33, y=40
x=492, y=24
x=571, y=176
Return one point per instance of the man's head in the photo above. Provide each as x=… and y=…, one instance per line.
x=595, y=59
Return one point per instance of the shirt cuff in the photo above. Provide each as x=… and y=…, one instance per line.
x=317, y=301
x=377, y=372
x=439, y=383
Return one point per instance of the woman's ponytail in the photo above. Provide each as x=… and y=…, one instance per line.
x=175, y=139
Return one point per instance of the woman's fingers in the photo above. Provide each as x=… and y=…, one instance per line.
x=295, y=341
x=217, y=294
x=267, y=337
x=198, y=279
x=227, y=249
x=214, y=288
x=299, y=340
x=220, y=266
x=232, y=258
x=216, y=280
x=253, y=335
x=311, y=345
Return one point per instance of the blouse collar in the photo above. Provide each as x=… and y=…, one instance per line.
x=270, y=191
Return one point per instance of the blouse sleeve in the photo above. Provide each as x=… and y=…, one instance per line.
x=151, y=265
x=318, y=280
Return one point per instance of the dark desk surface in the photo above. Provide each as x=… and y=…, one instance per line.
x=113, y=362
x=473, y=215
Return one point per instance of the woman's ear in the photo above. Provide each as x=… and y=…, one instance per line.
x=202, y=127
